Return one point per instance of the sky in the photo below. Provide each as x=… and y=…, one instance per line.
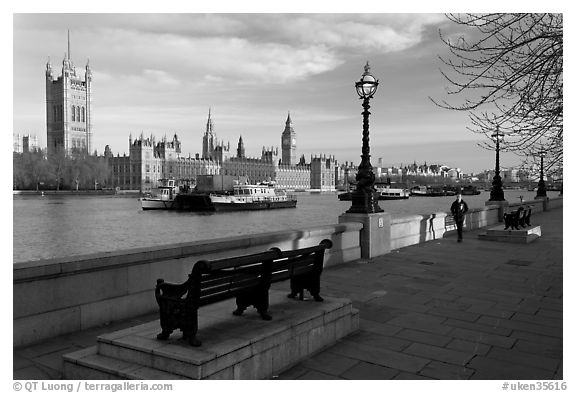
x=160, y=74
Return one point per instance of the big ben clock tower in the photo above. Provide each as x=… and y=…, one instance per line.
x=289, y=144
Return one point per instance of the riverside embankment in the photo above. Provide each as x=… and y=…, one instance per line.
x=64, y=295
x=434, y=310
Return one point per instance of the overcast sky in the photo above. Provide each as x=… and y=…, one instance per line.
x=160, y=73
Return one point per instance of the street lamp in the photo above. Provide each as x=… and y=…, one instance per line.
x=363, y=198
x=541, y=191
x=496, y=192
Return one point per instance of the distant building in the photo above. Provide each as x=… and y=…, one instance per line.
x=212, y=149
x=25, y=143
x=68, y=108
x=149, y=161
x=288, y=142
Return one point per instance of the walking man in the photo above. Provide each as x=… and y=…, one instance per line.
x=458, y=210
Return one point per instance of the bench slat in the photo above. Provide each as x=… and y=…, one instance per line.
x=219, y=264
x=232, y=286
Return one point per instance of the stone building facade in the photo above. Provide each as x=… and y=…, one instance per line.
x=68, y=108
x=150, y=160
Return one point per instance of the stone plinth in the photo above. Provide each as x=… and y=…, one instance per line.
x=502, y=206
x=522, y=235
x=375, y=235
x=244, y=347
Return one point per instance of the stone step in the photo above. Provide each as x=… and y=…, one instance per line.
x=244, y=347
x=523, y=235
x=87, y=364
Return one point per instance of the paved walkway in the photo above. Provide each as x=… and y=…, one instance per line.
x=437, y=310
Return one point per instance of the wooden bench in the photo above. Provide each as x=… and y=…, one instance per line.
x=518, y=218
x=247, y=278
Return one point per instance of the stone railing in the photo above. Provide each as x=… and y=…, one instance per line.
x=58, y=296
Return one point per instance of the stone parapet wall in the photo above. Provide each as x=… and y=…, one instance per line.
x=413, y=229
x=63, y=295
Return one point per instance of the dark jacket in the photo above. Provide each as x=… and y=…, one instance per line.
x=459, y=209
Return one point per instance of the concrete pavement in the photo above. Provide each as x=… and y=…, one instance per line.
x=436, y=310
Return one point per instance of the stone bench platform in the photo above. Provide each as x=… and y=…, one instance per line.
x=522, y=235
x=244, y=347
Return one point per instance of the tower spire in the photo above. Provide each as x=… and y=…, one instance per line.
x=68, y=44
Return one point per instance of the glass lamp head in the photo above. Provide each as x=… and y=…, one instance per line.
x=367, y=85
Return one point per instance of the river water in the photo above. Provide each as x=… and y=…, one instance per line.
x=57, y=226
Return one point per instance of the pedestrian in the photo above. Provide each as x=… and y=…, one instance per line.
x=458, y=210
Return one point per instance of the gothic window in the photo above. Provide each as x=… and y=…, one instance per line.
x=73, y=113
x=83, y=115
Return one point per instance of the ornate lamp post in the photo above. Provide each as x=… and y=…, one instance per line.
x=363, y=199
x=496, y=192
x=541, y=191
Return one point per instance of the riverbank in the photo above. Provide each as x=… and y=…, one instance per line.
x=435, y=310
x=131, y=193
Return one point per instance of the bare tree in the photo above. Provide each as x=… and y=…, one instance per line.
x=508, y=73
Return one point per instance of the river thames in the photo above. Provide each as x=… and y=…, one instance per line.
x=57, y=226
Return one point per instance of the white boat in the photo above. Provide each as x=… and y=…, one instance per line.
x=391, y=191
x=164, y=197
x=428, y=191
x=253, y=197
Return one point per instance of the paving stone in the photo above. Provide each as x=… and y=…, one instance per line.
x=19, y=362
x=424, y=337
x=54, y=360
x=474, y=348
x=447, y=304
x=381, y=314
x=523, y=358
x=380, y=356
x=476, y=336
x=363, y=371
x=379, y=328
x=538, y=338
x=481, y=295
x=455, y=314
x=487, y=368
x=292, y=373
x=32, y=373
x=410, y=377
x=493, y=311
x=529, y=305
x=379, y=341
x=436, y=353
x=315, y=375
x=537, y=319
x=424, y=322
x=329, y=363
x=553, y=331
x=492, y=328
x=546, y=350
x=439, y=370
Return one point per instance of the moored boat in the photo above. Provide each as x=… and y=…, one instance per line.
x=253, y=197
x=470, y=190
x=391, y=191
x=428, y=191
x=164, y=198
